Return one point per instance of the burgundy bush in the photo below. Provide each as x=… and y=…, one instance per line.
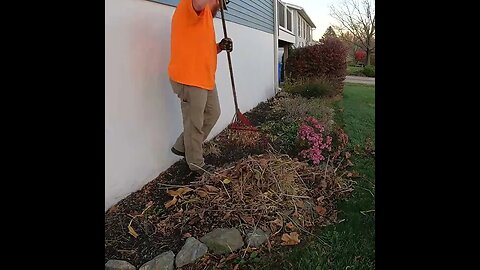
x=327, y=60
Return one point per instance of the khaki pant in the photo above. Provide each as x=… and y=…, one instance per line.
x=200, y=111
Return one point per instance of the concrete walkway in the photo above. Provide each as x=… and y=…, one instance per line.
x=362, y=80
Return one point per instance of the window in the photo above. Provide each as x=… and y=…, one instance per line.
x=301, y=28
x=299, y=33
x=289, y=20
x=281, y=14
x=304, y=29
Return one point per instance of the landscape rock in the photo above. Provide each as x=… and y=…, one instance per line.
x=222, y=241
x=257, y=238
x=119, y=265
x=190, y=252
x=163, y=261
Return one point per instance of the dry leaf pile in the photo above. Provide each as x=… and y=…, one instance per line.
x=244, y=138
x=281, y=196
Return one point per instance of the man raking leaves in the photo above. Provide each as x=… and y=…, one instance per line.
x=192, y=70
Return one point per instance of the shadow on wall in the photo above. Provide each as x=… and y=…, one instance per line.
x=146, y=46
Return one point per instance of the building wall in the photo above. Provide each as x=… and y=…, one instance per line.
x=257, y=14
x=142, y=115
x=302, y=40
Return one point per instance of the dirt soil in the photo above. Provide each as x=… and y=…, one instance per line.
x=119, y=244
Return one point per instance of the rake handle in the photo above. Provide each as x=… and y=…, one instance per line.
x=237, y=110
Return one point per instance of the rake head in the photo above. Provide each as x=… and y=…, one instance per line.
x=240, y=122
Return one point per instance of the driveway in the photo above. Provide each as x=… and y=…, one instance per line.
x=362, y=80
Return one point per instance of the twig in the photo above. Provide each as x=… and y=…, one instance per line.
x=195, y=165
x=296, y=196
x=253, y=233
x=143, y=212
x=367, y=190
x=368, y=211
x=179, y=186
x=225, y=189
x=326, y=168
x=340, y=163
x=300, y=178
x=226, y=169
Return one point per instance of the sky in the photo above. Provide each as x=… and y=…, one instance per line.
x=319, y=12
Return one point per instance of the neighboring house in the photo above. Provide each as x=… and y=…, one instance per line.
x=142, y=115
x=294, y=28
x=294, y=25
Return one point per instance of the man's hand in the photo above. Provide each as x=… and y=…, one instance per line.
x=226, y=45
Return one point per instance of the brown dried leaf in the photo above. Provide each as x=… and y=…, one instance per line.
x=171, y=202
x=321, y=210
x=211, y=188
x=290, y=239
x=290, y=225
x=202, y=193
x=277, y=222
x=187, y=235
x=113, y=209
x=263, y=162
x=247, y=219
x=132, y=231
x=347, y=155
x=231, y=257
x=179, y=192
x=300, y=204
x=227, y=215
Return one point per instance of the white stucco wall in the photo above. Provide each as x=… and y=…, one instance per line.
x=142, y=115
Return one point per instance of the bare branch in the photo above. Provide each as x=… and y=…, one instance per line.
x=358, y=18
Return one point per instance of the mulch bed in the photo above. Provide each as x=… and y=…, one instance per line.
x=245, y=192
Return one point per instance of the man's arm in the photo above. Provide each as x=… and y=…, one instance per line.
x=199, y=5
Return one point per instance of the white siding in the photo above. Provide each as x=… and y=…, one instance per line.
x=142, y=115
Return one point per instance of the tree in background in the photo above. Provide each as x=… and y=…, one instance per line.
x=358, y=18
x=360, y=55
x=329, y=33
x=348, y=41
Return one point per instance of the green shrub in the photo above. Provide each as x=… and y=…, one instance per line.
x=369, y=71
x=313, y=88
x=283, y=135
x=295, y=108
x=355, y=71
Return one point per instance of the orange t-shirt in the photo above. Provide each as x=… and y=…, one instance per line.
x=193, y=58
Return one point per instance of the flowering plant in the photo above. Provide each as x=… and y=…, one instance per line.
x=311, y=132
x=317, y=144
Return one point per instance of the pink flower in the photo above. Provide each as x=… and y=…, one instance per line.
x=311, y=132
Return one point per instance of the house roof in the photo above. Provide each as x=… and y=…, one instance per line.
x=302, y=11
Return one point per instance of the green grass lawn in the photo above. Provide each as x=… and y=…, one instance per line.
x=351, y=243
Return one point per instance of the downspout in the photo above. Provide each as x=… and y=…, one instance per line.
x=275, y=45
